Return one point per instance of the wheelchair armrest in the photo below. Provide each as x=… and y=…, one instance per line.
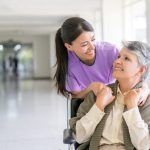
x=68, y=136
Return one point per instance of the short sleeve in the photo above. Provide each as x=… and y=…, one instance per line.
x=72, y=84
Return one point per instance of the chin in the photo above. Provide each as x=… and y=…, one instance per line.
x=90, y=58
x=116, y=76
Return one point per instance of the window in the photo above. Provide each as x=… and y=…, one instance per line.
x=134, y=20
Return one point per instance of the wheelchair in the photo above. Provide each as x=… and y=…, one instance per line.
x=68, y=135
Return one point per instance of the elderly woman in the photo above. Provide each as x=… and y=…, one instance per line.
x=113, y=119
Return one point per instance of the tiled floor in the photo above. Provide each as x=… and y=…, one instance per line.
x=32, y=116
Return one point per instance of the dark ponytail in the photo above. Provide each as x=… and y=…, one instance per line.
x=69, y=31
x=62, y=64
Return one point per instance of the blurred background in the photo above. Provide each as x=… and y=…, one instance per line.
x=32, y=114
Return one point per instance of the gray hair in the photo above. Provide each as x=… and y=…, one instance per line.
x=142, y=51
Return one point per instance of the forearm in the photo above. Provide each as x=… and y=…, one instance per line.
x=138, y=129
x=85, y=127
x=81, y=94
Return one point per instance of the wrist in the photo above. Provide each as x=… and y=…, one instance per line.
x=131, y=106
x=100, y=106
x=89, y=88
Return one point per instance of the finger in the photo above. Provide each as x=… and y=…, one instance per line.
x=102, y=90
x=135, y=91
x=109, y=89
x=112, y=98
x=144, y=85
x=139, y=92
x=143, y=93
x=105, y=91
x=100, y=86
x=125, y=93
x=142, y=103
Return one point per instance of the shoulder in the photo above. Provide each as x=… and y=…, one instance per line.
x=89, y=99
x=114, y=87
x=91, y=96
x=107, y=49
x=72, y=58
x=105, y=45
x=145, y=111
x=73, y=62
x=88, y=102
x=147, y=104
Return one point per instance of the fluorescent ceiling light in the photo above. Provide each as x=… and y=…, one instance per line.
x=17, y=47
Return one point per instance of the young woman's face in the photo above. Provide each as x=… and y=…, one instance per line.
x=126, y=66
x=84, y=46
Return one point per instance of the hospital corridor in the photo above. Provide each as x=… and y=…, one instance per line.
x=33, y=114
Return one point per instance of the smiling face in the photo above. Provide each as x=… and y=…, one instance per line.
x=83, y=46
x=127, y=65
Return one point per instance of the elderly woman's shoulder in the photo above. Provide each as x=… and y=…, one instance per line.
x=145, y=111
x=91, y=96
x=147, y=103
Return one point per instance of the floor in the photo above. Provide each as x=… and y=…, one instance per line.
x=32, y=116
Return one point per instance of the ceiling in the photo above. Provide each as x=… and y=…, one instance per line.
x=40, y=16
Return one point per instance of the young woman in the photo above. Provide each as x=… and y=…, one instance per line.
x=113, y=119
x=82, y=64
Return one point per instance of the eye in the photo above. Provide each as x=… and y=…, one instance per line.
x=93, y=39
x=126, y=58
x=84, y=44
x=118, y=56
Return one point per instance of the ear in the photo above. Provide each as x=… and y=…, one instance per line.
x=143, y=70
x=68, y=46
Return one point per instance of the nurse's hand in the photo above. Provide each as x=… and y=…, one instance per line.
x=144, y=94
x=96, y=87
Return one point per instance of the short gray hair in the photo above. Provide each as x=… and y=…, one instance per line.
x=142, y=51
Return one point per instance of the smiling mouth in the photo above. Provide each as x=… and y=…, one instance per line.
x=90, y=52
x=118, y=69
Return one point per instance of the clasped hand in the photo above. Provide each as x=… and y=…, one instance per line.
x=104, y=97
x=132, y=98
x=136, y=97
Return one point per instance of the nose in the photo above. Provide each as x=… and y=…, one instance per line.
x=117, y=61
x=91, y=45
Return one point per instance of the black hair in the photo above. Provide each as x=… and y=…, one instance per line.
x=70, y=30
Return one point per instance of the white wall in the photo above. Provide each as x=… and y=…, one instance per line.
x=148, y=19
x=41, y=56
x=112, y=21
x=94, y=19
x=52, y=54
x=40, y=50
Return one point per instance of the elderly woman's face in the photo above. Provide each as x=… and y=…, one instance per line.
x=126, y=66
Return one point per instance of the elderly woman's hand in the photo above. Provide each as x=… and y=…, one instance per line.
x=136, y=97
x=131, y=98
x=104, y=97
